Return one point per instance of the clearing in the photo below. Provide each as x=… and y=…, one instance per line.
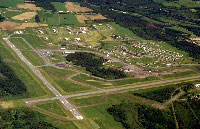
x=81, y=18
x=28, y=6
x=76, y=8
x=25, y=16
x=97, y=17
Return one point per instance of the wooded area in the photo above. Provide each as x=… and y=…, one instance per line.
x=10, y=84
x=94, y=64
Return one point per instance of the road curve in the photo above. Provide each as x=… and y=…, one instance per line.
x=59, y=96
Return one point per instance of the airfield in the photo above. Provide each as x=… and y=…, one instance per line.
x=69, y=93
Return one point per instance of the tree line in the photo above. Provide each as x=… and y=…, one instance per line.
x=94, y=64
x=10, y=84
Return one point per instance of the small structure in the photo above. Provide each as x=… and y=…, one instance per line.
x=62, y=48
x=197, y=85
x=84, y=32
x=46, y=38
x=40, y=32
x=78, y=39
x=66, y=39
x=55, y=31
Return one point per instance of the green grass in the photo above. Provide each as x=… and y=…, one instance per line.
x=104, y=83
x=122, y=31
x=62, y=84
x=54, y=107
x=68, y=19
x=51, y=19
x=20, y=44
x=59, y=6
x=33, y=58
x=35, y=87
x=33, y=40
x=97, y=117
x=10, y=3
x=62, y=73
x=180, y=74
x=10, y=14
x=88, y=100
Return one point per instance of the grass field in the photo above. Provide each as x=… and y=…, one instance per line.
x=68, y=19
x=10, y=3
x=59, y=6
x=88, y=100
x=102, y=83
x=51, y=19
x=20, y=44
x=98, y=117
x=33, y=58
x=33, y=40
x=62, y=84
x=180, y=74
x=54, y=107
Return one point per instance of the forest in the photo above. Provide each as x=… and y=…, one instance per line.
x=23, y=118
x=137, y=116
x=94, y=64
x=9, y=82
x=1, y=18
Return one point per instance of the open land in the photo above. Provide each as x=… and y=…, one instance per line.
x=74, y=66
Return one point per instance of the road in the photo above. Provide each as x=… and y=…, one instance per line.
x=118, y=89
x=59, y=96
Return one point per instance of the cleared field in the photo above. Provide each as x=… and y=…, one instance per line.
x=180, y=74
x=33, y=40
x=27, y=25
x=81, y=18
x=59, y=6
x=103, y=83
x=10, y=3
x=97, y=17
x=98, y=117
x=68, y=19
x=33, y=58
x=49, y=18
x=25, y=16
x=54, y=107
x=28, y=6
x=76, y=8
x=8, y=25
x=88, y=100
x=62, y=84
x=20, y=44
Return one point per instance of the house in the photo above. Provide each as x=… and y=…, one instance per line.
x=40, y=31
x=66, y=39
x=78, y=39
x=84, y=32
x=55, y=31
x=45, y=38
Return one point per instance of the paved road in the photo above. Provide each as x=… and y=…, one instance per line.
x=118, y=89
x=66, y=104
